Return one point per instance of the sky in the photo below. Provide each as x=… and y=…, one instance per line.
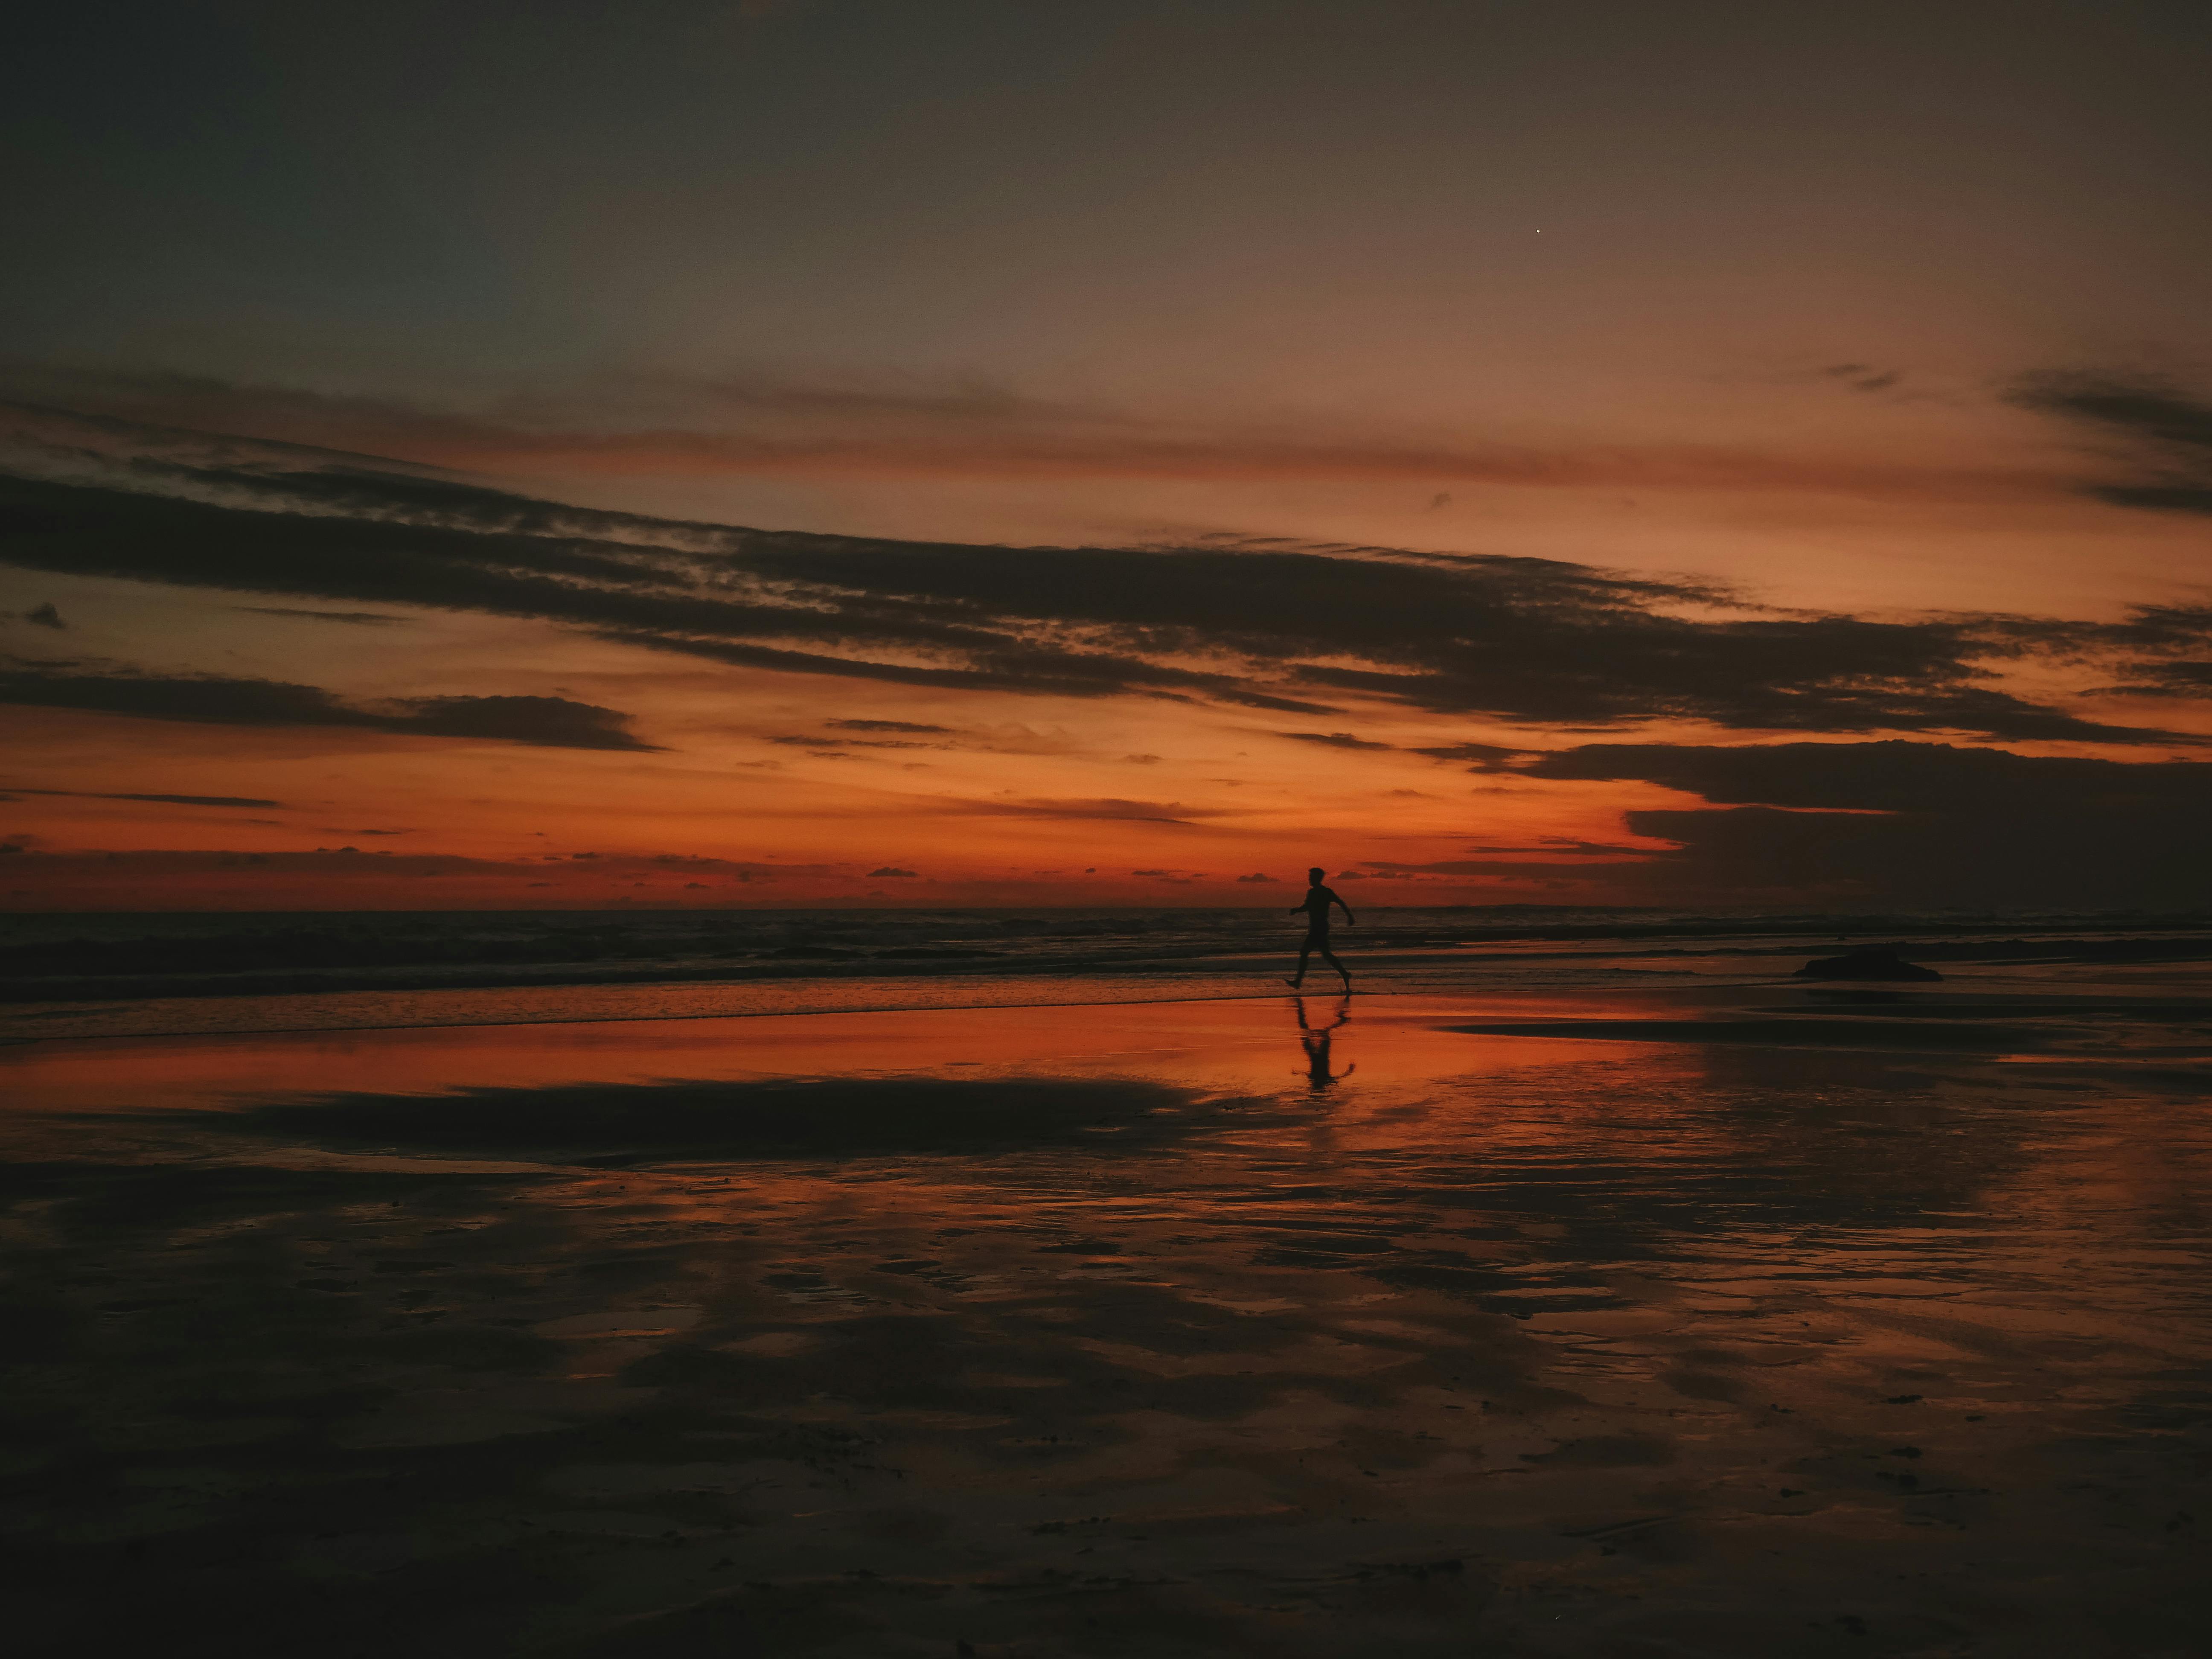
x=963, y=451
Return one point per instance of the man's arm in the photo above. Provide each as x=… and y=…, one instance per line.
x=1349, y=921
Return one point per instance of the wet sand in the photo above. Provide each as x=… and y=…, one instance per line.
x=1737, y=1321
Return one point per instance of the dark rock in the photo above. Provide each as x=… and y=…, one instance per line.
x=1866, y=962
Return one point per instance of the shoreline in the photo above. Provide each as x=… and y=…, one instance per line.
x=190, y=955
x=653, y=1019
x=2164, y=1036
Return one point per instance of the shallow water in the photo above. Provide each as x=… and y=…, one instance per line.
x=155, y=974
x=1728, y=1320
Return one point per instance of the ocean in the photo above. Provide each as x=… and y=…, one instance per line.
x=135, y=974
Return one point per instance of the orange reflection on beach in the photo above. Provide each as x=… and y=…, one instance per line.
x=1165, y=1313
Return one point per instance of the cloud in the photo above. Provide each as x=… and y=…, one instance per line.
x=1255, y=876
x=212, y=699
x=1861, y=377
x=1284, y=628
x=1378, y=870
x=2168, y=680
x=357, y=618
x=809, y=742
x=551, y=722
x=44, y=615
x=1892, y=776
x=884, y=725
x=1544, y=854
x=1137, y=812
x=1917, y=823
x=887, y=871
x=1335, y=739
x=166, y=800
x=1487, y=757
x=761, y=425
x=2163, y=429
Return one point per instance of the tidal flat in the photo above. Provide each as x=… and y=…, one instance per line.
x=1741, y=1321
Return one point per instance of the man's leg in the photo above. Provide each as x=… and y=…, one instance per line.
x=1305, y=954
x=1329, y=957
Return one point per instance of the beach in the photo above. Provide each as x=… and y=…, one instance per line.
x=1724, y=1315
x=1184, y=830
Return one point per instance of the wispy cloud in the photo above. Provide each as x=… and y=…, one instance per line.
x=1286, y=629
x=1134, y=811
x=1333, y=739
x=220, y=700
x=2155, y=426
x=355, y=618
x=165, y=800
x=769, y=425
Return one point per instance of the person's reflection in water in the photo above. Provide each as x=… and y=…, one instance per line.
x=1314, y=1040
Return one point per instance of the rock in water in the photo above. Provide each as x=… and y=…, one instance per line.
x=1866, y=962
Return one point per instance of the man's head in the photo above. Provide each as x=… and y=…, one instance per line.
x=1314, y=876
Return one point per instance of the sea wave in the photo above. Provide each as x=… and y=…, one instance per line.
x=119, y=973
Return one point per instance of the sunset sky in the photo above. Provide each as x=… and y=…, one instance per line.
x=909, y=451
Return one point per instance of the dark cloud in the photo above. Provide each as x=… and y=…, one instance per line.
x=1257, y=876
x=1860, y=377
x=2169, y=634
x=44, y=615
x=1268, y=626
x=165, y=800
x=2157, y=425
x=550, y=722
x=1486, y=756
x=888, y=871
x=885, y=726
x=357, y=618
x=1893, y=776
x=1136, y=811
x=2188, y=679
x=211, y=699
x=805, y=742
x=1335, y=740
x=1925, y=824
x=1549, y=848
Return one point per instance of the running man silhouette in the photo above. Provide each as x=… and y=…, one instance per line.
x=1317, y=900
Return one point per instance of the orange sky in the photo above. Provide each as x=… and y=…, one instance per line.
x=1831, y=380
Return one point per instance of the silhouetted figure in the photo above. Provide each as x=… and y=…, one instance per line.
x=1317, y=900
x=1316, y=1044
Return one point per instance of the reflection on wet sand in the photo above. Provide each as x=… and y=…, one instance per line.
x=1194, y=1329
x=1316, y=1041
